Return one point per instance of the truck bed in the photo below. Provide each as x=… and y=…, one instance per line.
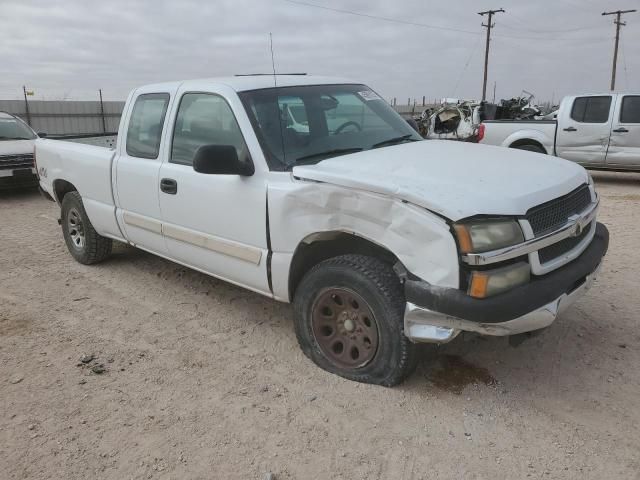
x=88, y=168
x=507, y=133
x=537, y=122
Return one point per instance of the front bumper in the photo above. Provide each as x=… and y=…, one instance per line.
x=437, y=315
x=25, y=177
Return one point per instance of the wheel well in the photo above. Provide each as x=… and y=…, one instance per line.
x=61, y=188
x=318, y=247
x=527, y=141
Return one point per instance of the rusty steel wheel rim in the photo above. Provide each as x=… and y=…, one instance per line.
x=344, y=328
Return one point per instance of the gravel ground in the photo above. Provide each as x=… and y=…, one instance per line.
x=205, y=380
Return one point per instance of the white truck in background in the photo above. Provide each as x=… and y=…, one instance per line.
x=379, y=238
x=17, y=140
x=600, y=131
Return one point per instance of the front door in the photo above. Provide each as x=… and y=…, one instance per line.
x=624, y=147
x=583, y=130
x=214, y=223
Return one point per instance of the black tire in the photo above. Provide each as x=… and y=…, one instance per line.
x=374, y=281
x=83, y=242
x=530, y=147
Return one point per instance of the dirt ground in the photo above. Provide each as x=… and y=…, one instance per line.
x=205, y=380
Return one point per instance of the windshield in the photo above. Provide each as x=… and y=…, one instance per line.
x=12, y=128
x=307, y=124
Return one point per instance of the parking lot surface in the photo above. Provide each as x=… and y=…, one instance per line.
x=188, y=377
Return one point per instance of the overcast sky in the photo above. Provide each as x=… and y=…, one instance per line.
x=70, y=48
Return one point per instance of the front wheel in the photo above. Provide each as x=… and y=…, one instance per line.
x=349, y=320
x=83, y=242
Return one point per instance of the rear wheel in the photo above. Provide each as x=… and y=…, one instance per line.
x=349, y=320
x=83, y=242
x=530, y=147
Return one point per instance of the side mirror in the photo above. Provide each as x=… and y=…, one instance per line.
x=221, y=160
x=42, y=134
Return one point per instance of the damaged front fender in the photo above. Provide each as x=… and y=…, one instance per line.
x=420, y=239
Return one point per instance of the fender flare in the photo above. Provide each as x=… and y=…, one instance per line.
x=533, y=136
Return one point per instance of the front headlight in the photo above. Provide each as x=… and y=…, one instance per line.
x=484, y=235
x=487, y=283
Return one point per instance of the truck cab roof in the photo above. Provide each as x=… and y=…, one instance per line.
x=253, y=82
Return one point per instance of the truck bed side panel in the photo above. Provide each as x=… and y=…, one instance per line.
x=88, y=169
x=505, y=133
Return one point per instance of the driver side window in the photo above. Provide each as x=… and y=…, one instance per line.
x=204, y=119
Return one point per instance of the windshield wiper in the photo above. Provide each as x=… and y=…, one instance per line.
x=14, y=138
x=394, y=140
x=327, y=154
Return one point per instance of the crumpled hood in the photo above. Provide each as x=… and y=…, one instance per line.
x=454, y=179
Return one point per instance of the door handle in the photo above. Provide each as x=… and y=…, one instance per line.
x=169, y=185
x=570, y=129
x=621, y=130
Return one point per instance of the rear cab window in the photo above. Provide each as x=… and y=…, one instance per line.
x=145, y=125
x=591, y=109
x=630, y=111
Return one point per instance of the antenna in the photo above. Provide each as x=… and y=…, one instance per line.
x=273, y=63
x=280, y=112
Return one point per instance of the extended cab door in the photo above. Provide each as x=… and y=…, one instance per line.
x=584, y=124
x=137, y=168
x=216, y=223
x=624, y=146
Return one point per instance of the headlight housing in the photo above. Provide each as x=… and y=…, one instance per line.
x=485, y=235
x=487, y=283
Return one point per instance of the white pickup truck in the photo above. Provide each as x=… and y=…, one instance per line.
x=379, y=238
x=16, y=152
x=597, y=131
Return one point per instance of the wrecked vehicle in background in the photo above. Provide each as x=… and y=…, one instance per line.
x=517, y=108
x=455, y=120
x=461, y=119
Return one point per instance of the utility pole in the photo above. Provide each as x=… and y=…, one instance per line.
x=618, y=24
x=26, y=104
x=104, y=123
x=488, y=26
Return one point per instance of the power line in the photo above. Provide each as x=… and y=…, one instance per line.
x=466, y=65
x=542, y=31
x=435, y=27
x=418, y=24
x=624, y=63
x=386, y=19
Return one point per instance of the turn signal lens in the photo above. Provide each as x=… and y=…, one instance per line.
x=478, y=286
x=464, y=238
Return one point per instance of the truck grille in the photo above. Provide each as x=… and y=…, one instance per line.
x=562, y=247
x=13, y=162
x=552, y=215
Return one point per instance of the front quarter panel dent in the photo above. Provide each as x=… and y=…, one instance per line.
x=421, y=240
